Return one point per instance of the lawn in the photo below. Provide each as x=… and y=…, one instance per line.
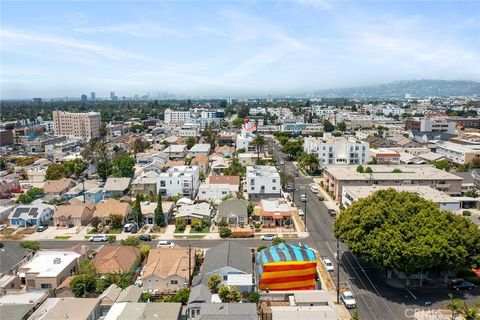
x=63, y=237
x=196, y=236
x=115, y=230
x=178, y=231
x=204, y=230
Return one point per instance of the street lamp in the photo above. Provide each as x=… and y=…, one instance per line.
x=305, y=213
x=338, y=271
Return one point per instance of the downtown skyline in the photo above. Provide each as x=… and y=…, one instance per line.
x=58, y=49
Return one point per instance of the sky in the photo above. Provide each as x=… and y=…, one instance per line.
x=231, y=48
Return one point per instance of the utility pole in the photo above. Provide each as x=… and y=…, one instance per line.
x=189, y=265
x=83, y=184
x=338, y=271
x=305, y=215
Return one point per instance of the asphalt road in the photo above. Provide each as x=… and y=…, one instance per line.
x=376, y=300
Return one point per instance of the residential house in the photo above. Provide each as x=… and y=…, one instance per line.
x=49, y=268
x=17, y=305
x=153, y=167
x=109, y=207
x=147, y=158
x=7, y=183
x=176, y=151
x=273, y=213
x=140, y=311
x=384, y=156
x=116, y=259
x=215, y=311
x=232, y=181
x=233, y=211
x=79, y=189
x=168, y=270
x=183, y=181
x=68, y=308
x=36, y=175
x=77, y=214
x=201, y=211
x=214, y=192
x=225, y=150
x=148, y=211
x=202, y=162
x=94, y=195
x=58, y=187
x=218, y=165
x=132, y=293
x=35, y=214
x=108, y=298
x=199, y=149
x=145, y=183
x=263, y=182
x=116, y=187
x=12, y=256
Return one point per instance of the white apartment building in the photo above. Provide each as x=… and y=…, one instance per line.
x=245, y=137
x=257, y=111
x=458, y=153
x=189, y=130
x=172, y=116
x=394, y=111
x=85, y=125
x=439, y=124
x=324, y=112
x=183, y=181
x=216, y=192
x=263, y=182
x=337, y=150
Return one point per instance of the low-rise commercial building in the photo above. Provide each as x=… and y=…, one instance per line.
x=458, y=153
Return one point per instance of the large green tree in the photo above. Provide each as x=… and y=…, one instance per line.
x=293, y=148
x=235, y=168
x=137, y=211
x=55, y=171
x=403, y=231
x=159, y=215
x=123, y=166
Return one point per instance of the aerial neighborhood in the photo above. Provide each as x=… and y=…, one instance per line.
x=270, y=209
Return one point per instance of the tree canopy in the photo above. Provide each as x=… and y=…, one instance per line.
x=403, y=231
x=123, y=166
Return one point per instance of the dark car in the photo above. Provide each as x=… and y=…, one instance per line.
x=145, y=237
x=288, y=188
x=462, y=285
x=42, y=228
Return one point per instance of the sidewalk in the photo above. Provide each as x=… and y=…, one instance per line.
x=329, y=202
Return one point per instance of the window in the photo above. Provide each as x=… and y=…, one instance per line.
x=173, y=282
x=274, y=180
x=162, y=183
x=225, y=278
x=46, y=286
x=274, y=188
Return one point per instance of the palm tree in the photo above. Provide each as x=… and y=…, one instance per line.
x=460, y=307
x=310, y=162
x=259, y=143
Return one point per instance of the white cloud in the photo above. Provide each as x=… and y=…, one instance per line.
x=141, y=30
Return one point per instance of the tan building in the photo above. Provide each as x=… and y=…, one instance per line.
x=78, y=214
x=116, y=259
x=337, y=177
x=110, y=207
x=58, y=187
x=167, y=270
x=76, y=124
x=68, y=308
x=48, y=269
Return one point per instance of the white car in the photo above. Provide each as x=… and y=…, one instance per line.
x=301, y=213
x=348, y=299
x=303, y=197
x=268, y=237
x=328, y=265
x=314, y=188
x=165, y=244
x=99, y=238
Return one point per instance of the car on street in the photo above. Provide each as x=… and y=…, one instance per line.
x=268, y=237
x=16, y=191
x=301, y=213
x=314, y=188
x=328, y=265
x=462, y=285
x=303, y=197
x=42, y=228
x=288, y=188
x=320, y=197
x=282, y=163
x=99, y=238
x=145, y=237
x=348, y=299
x=2, y=227
x=165, y=244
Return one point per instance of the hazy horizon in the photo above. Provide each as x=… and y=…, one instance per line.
x=59, y=49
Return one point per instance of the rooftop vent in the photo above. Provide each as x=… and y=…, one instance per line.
x=57, y=261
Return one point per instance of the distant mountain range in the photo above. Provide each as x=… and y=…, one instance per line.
x=398, y=89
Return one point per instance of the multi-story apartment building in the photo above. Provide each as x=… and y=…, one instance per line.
x=172, y=116
x=324, y=112
x=458, y=153
x=189, y=130
x=430, y=125
x=85, y=125
x=263, y=182
x=183, y=181
x=257, y=111
x=337, y=150
x=337, y=177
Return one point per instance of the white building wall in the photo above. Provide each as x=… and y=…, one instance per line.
x=214, y=192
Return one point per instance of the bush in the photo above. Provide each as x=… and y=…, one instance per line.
x=180, y=225
x=242, y=234
x=146, y=297
x=262, y=247
x=1, y=245
x=144, y=250
x=254, y=297
x=131, y=241
x=32, y=245
x=225, y=232
x=466, y=213
x=223, y=223
x=257, y=225
x=112, y=238
x=277, y=241
x=197, y=224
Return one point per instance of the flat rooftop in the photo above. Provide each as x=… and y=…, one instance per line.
x=425, y=192
x=262, y=171
x=385, y=172
x=50, y=263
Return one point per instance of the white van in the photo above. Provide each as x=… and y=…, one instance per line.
x=99, y=238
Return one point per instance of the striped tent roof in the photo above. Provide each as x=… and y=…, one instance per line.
x=283, y=252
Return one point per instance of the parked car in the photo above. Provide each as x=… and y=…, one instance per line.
x=288, y=188
x=99, y=238
x=301, y=213
x=145, y=237
x=332, y=212
x=165, y=244
x=16, y=191
x=268, y=237
x=462, y=285
x=2, y=226
x=282, y=163
x=328, y=265
x=42, y=228
x=348, y=299
x=320, y=197
x=303, y=197
x=128, y=227
x=314, y=188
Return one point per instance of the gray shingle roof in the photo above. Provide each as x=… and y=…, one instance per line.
x=236, y=207
x=230, y=311
x=229, y=254
x=11, y=254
